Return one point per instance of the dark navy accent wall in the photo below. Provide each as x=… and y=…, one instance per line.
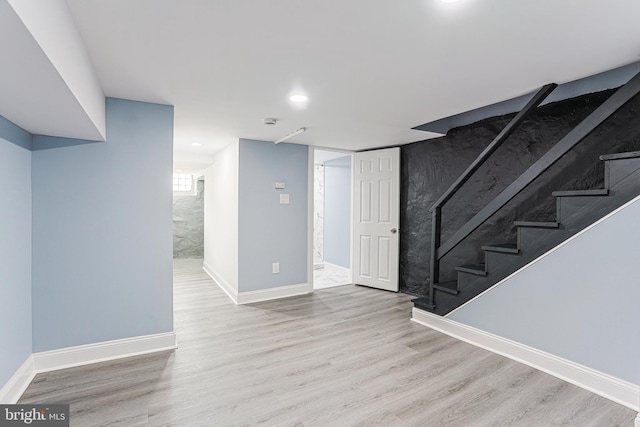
x=430, y=167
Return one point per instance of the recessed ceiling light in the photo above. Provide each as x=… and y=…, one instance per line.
x=196, y=144
x=298, y=98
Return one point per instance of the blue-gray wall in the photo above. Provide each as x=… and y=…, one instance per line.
x=15, y=249
x=337, y=211
x=269, y=232
x=593, y=317
x=102, y=232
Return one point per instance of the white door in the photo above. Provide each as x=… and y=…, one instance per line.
x=376, y=200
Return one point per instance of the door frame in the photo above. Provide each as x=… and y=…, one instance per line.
x=310, y=210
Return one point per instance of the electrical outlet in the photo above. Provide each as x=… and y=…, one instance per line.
x=275, y=268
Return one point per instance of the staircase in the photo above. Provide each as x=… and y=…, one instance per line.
x=575, y=210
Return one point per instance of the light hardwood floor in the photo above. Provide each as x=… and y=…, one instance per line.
x=344, y=356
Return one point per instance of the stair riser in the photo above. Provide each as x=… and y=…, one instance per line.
x=570, y=208
x=618, y=170
x=495, y=260
x=500, y=265
x=530, y=237
x=466, y=281
x=446, y=302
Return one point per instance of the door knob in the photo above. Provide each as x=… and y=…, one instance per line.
x=394, y=230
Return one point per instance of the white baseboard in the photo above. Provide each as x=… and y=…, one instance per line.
x=103, y=351
x=638, y=421
x=18, y=383
x=256, y=296
x=221, y=282
x=71, y=357
x=274, y=293
x=605, y=385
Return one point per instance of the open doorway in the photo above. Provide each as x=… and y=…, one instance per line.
x=188, y=217
x=332, y=219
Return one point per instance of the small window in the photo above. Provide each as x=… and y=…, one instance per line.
x=182, y=182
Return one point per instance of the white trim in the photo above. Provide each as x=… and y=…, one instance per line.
x=310, y=212
x=274, y=293
x=605, y=385
x=11, y=392
x=575, y=236
x=351, y=202
x=638, y=421
x=260, y=295
x=70, y=357
x=221, y=282
x=103, y=351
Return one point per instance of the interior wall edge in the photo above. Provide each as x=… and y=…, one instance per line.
x=221, y=282
x=13, y=389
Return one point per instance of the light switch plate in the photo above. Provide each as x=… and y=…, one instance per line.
x=279, y=185
x=284, y=199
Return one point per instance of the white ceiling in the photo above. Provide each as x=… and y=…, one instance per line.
x=372, y=69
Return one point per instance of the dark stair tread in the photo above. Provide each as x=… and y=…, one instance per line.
x=477, y=269
x=536, y=224
x=450, y=287
x=596, y=192
x=422, y=303
x=505, y=248
x=618, y=156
